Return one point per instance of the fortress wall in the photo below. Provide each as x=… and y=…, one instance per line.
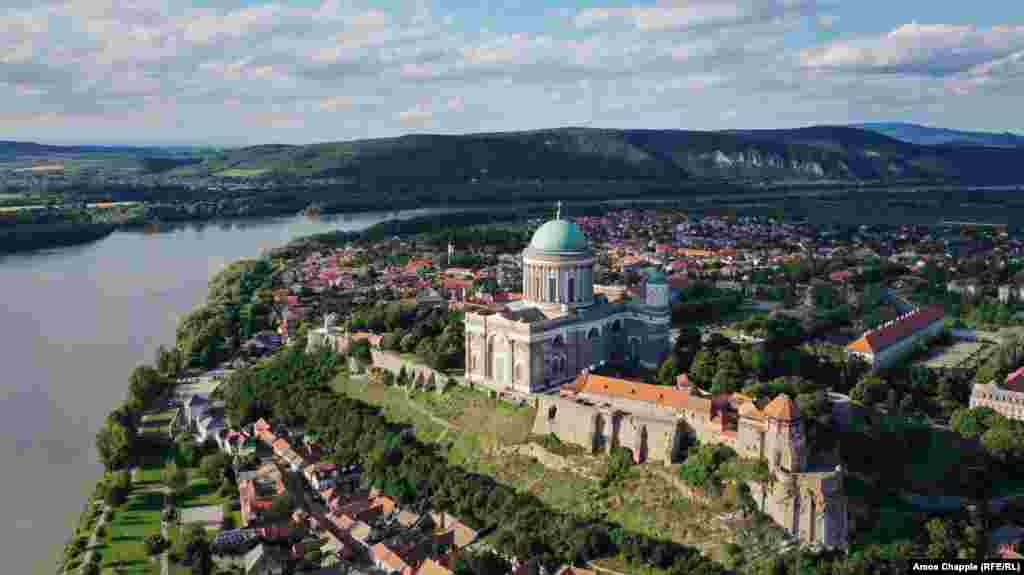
x=571, y=422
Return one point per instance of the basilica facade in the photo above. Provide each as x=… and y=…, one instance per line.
x=561, y=327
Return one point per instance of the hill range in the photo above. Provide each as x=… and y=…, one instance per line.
x=817, y=153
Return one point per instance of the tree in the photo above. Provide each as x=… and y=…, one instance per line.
x=361, y=351
x=686, y=347
x=409, y=343
x=175, y=478
x=281, y=508
x=973, y=422
x=212, y=468
x=703, y=368
x=668, y=372
x=154, y=544
x=480, y=563
x=870, y=390
x=942, y=541
x=620, y=461
x=727, y=372
x=114, y=444
x=1004, y=440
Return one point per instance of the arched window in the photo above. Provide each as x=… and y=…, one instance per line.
x=558, y=341
x=572, y=290
x=517, y=372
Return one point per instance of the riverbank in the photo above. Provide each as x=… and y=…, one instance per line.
x=80, y=319
x=840, y=202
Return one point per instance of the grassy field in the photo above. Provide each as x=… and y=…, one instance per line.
x=158, y=424
x=481, y=433
x=131, y=523
x=242, y=172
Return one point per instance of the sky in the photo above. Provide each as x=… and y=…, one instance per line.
x=231, y=73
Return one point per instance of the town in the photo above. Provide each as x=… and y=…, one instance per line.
x=745, y=367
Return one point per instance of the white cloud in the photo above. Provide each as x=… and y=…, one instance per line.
x=919, y=49
x=677, y=15
x=416, y=118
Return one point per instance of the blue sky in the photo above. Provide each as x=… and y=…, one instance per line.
x=247, y=72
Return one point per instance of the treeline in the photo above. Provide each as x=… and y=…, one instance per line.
x=29, y=237
x=240, y=303
x=293, y=390
x=436, y=336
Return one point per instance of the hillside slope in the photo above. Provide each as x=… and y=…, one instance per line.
x=928, y=136
x=807, y=154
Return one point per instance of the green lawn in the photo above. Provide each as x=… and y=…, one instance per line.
x=199, y=493
x=131, y=523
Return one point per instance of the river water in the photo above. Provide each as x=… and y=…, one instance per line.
x=74, y=322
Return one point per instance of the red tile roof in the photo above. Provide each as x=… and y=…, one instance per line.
x=901, y=328
x=452, y=283
x=658, y=394
x=386, y=556
x=782, y=407
x=1015, y=381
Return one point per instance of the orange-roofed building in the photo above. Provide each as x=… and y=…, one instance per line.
x=894, y=340
x=646, y=418
x=431, y=567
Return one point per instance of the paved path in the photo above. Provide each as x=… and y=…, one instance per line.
x=93, y=539
x=165, y=566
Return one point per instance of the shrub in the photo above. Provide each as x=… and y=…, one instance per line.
x=154, y=544
x=101, y=531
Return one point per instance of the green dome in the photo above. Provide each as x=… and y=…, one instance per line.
x=654, y=277
x=559, y=236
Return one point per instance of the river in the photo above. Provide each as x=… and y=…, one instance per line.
x=75, y=321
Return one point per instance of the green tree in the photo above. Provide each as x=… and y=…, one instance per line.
x=1004, y=440
x=212, y=468
x=727, y=372
x=668, y=372
x=175, y=478
x=114, y=444
x=973, y=422
x=870, y=390
x=703, y=368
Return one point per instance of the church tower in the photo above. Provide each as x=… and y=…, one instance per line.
x=784, y=439
x=451, y=252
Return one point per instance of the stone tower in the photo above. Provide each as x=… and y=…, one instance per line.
x=784, y=438
x=451, y=252
x=656, y=290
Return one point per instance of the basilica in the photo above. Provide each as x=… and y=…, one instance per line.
x=560, y=326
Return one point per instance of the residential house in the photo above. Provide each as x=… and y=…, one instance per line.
x=432, y=567
x=456, y=289
x=968, y=288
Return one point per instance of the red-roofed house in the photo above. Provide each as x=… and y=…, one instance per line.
x=389, y=561
x=456, y=289
x=891, y=342
x=841, y=276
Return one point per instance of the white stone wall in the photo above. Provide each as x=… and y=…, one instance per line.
x=1008, y=403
